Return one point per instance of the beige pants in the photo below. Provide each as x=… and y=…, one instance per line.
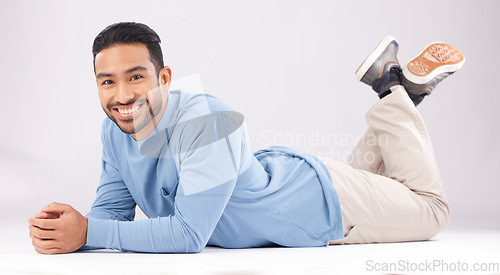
x=390, y=190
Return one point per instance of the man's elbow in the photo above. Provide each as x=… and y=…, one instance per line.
x=191, y=249
x=195, y=246
x=191, y=245
x=196, y=249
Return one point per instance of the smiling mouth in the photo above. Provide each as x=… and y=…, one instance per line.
x=128, y=111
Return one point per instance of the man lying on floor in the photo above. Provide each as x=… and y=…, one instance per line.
x=186, y=161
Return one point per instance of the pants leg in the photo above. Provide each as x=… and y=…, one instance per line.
x=398, y=195
x=366, y=155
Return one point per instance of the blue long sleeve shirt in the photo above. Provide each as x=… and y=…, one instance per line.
x=199, y=182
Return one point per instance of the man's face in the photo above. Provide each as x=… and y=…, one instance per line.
x=128, y=85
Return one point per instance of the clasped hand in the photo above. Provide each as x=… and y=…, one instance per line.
x=58, y=228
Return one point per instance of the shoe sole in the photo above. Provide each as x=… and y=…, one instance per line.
x=437, y=58
x=368, y=62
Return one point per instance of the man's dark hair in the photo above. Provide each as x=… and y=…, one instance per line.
x=129, y=33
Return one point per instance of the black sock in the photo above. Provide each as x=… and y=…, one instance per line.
x=388, y=92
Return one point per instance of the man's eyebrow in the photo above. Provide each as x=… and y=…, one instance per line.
x=99, y=75
x=136, y=68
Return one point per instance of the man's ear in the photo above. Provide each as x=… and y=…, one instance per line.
x=165, y=77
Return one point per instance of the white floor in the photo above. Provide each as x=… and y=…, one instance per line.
x=451, y=251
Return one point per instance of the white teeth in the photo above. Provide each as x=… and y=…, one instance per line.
x=128, y=111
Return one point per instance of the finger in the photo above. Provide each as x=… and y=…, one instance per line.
x=44, y=244
x=44, y=223
x=42, y=233
x=49, y=251
x=56, y=207
x=47, y=215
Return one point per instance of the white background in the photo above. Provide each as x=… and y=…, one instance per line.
x=288, y=66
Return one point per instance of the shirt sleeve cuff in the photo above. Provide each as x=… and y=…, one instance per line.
x=98, y=231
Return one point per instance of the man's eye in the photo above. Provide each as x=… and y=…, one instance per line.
x=135, y=77
x=107, y=82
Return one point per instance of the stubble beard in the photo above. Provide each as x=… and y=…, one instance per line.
x=139, y=122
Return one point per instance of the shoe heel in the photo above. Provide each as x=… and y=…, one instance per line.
x=368, y=62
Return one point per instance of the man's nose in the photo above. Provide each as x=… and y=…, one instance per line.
x=124, y=94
